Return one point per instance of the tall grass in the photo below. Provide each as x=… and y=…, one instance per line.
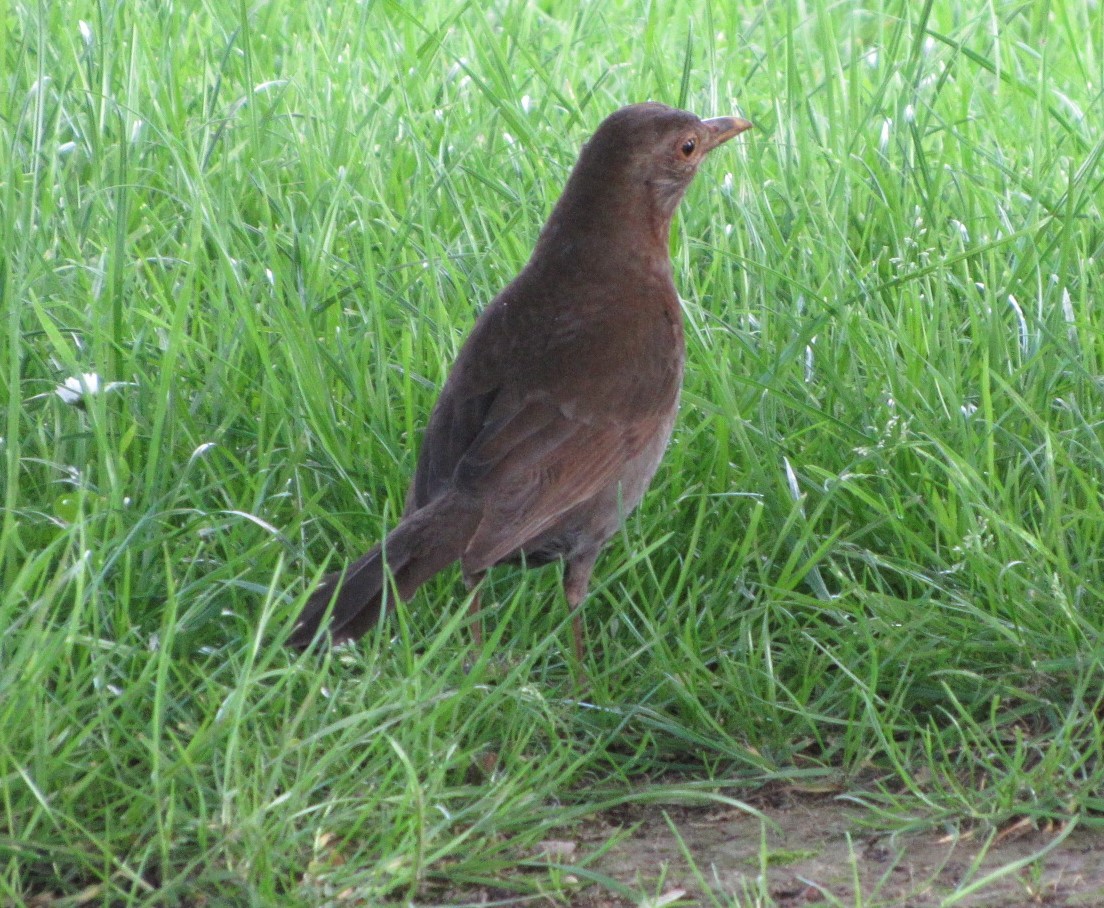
x=872, y=556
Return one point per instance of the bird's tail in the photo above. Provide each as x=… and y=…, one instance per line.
x=424, y=542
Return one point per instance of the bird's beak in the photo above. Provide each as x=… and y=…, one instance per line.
x=721, y=129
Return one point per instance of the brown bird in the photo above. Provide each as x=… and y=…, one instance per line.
x=560, y=404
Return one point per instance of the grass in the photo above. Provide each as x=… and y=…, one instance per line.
x=872, y=558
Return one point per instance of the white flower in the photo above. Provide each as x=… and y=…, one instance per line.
x=74, y=388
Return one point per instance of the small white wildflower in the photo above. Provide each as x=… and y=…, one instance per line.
x=73, y=390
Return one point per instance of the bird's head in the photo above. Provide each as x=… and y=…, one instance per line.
x=641, y=160
x=657, y=146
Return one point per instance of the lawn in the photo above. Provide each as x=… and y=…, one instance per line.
x=240, y=245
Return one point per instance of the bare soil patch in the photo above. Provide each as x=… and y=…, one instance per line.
x=816, y=850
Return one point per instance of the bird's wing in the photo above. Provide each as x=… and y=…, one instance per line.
x=533, y=466
x=457, y=420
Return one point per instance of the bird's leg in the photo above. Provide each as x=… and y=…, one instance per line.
x=476, y=620
x=576, y=582
x=472, y=581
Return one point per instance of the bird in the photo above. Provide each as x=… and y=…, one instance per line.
x=558, y=408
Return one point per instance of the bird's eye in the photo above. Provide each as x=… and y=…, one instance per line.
x=688, y=146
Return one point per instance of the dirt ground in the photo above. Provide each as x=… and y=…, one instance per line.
x=818, y=853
